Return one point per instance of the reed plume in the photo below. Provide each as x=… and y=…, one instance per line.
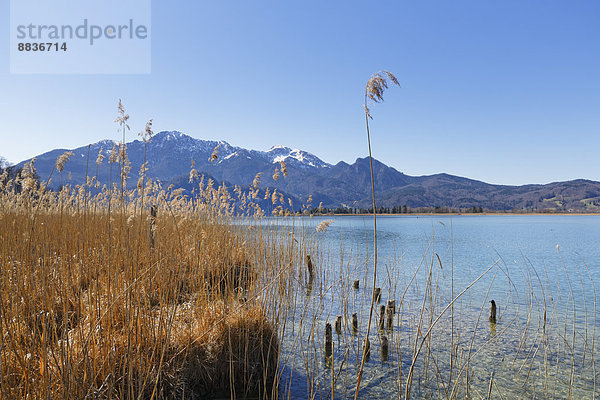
x=215, y=153
x=256, y=180
x=62, y=160
x=323, y=225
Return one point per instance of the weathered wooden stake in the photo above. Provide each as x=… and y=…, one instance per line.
x=354, y=323
x=338, y=325
x=377, y=295
x=309, y=267
x=384, y=348
x=311, y=284
x=392, y=305
x=367, y=349
x=382, y=318
x=328, y=341
x=153, y=213
x=493, y=312
x=356, y=284
x=390, y=317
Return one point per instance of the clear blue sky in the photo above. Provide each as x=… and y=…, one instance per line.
x=501, y=91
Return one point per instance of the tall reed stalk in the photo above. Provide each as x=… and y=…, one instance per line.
x=376, y=86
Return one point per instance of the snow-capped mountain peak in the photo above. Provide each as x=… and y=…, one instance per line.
x=276, y=147
x=280, y=153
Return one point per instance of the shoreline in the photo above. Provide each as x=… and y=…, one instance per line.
x=460, y=214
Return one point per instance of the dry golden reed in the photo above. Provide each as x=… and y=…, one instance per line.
x=163, y=298
x=90, y=308
x=60, y=162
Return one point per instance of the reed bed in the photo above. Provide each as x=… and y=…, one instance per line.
x=144, y=293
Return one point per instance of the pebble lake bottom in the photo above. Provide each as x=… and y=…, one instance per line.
x=542, y=272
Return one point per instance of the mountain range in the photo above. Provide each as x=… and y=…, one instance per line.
x=170, y=155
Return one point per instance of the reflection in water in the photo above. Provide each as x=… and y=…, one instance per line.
x=492, y=329
x=309, y=286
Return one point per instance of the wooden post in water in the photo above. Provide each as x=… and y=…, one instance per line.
x=367, y=349
x=338, y=325
x=382, y=318
x=384, y=348
x=153, y=213
x=356, y=284
x=328, y=341
x=392, y=306
x=309, y=267
x=390, y=316
x=493, y=312
x=377, y=295
x=354, y=323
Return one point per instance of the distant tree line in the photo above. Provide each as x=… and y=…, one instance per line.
x=399, y=209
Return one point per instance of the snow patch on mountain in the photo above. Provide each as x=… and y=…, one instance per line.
x=106, y=143
x=280, y=153
x=179, y=141
x=235, y=153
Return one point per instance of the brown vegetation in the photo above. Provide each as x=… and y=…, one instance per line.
x=100, y=299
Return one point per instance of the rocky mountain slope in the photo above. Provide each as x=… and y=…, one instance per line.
x=170, y=156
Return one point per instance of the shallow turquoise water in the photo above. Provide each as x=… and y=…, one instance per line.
x=527, y=355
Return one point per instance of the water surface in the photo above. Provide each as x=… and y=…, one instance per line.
x=544, y=271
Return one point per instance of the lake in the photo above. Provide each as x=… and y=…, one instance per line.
x=541, y=270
